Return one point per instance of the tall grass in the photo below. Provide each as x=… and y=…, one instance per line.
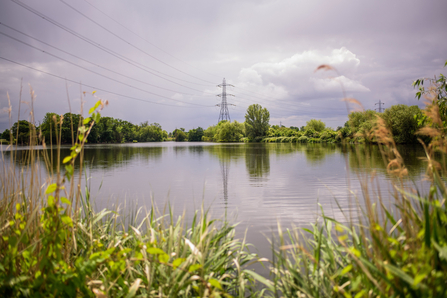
x=393, y=250
x=54, y=244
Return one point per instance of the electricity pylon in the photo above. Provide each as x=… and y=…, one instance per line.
x=380, y=103
x=224, y=113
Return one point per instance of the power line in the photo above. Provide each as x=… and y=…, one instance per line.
x=224, y=108
x=97, y=65
x=123, y=58
x=82, y=59
x=132, y=45
x=128, y=85
x=152, y=44
x=107, y=50
x=107, y=91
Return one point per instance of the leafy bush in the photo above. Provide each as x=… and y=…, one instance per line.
x=402, y=121
x=229, y=132
x=195, y=135
x=316, y=125
x=303, y=139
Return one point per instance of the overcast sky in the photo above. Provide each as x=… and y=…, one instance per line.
x=160, y=61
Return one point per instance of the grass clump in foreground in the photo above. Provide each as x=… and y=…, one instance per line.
x=53, y=244
x=398, y=246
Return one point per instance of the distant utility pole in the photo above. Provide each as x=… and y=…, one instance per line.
x=224, y=113
x=380, y=103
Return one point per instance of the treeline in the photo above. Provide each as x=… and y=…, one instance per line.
x=107, y=130
x=403, y=121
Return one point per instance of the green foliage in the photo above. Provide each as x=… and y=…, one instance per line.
x=437, y=90
x=276, y=131
x=256, y=122
x=224, y=132
x=402, y=121
x=362, y=123
x=6, y=135
x=229, y=131
x=179, y=135
x=303, y=139
x=106, y=130
x=150, y=133
x=316, y=125
x=195, y=135
x=21, y=132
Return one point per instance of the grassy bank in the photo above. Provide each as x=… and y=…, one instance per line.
x=54, y=244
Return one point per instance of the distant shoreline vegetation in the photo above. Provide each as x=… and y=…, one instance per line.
x=402, y=120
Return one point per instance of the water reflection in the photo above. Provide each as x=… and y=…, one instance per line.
x=95, y=156
x=229, y=152
x=317, y=153
x=257, y=161
x=262, y=183
x=196, y=150
x=110, y=156
x=361, y=158
x=364, y=158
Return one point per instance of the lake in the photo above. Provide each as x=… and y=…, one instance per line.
x=256, y=185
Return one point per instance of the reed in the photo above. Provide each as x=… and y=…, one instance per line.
x=394, y=249
x=54, y=244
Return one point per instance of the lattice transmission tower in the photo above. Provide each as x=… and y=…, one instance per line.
x=380, y=103
x=224, y=113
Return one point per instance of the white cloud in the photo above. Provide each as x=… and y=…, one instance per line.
x=295, y=76
x=335, y=84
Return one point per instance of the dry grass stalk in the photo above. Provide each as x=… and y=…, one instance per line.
x=434, y=129
x=388, y=148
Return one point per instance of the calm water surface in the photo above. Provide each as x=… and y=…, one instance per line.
x=257, y=185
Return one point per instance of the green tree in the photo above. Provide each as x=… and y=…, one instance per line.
x=195, y=135
x=6, y=135
x=106, y=130
x=229, y=131
x=151, y=133
x=21, y=131
x=316, y=125
x=256, y=122
x=179, y=135
x=402, y=122
x=362, y=123
x=69, y=131
x=48, y=128
x=209, y=133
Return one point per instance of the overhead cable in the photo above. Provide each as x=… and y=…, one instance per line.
x=92, y=71
x=152, y=44
x=82, y=59
x=104, y=90
x=105, y=49
x=130, y=44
